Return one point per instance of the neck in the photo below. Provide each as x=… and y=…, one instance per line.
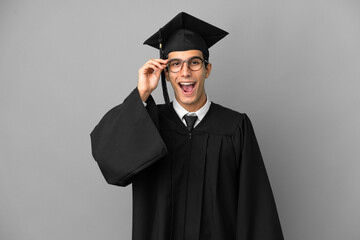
x=196, y=106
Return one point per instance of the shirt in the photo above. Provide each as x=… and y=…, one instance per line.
x=181, y=112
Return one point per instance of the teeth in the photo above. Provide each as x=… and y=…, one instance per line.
x=186, y=83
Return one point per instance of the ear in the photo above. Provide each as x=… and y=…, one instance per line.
x=208, y=70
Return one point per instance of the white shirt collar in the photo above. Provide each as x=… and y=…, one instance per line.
x=181, y=112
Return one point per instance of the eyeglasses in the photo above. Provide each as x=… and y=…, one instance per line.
x=194, y=64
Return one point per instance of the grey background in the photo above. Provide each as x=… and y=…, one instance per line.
x=292, y=66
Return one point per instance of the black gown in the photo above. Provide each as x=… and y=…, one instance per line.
x=208, y=185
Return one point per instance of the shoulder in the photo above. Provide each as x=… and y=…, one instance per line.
x=223, y=120
x=225, y=113
x=162, y=107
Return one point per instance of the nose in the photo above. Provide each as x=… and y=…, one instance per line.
x=185, y=70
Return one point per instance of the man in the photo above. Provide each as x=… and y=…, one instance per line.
x=195, y=166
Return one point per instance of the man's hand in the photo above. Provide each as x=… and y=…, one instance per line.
x=149, y=75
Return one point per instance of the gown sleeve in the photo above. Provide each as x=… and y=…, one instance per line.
x=126, y=140
x=257, y=217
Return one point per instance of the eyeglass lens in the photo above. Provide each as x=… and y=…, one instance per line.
x=194, y=64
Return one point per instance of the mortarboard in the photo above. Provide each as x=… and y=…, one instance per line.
x=184, y=32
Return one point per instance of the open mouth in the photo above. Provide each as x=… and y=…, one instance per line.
x=187, y=87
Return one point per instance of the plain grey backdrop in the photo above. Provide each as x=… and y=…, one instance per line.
x=292, y=66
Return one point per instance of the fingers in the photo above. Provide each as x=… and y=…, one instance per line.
x=159, y=60
x=154, y=65
x=149, y=75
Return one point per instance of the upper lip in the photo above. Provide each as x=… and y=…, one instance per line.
x=192, y=82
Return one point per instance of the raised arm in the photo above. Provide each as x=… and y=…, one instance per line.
x=127, y=139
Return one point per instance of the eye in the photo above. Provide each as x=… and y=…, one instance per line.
x=195, y=61
x=174, y=63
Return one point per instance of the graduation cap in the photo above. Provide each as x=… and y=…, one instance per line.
x=184, y=32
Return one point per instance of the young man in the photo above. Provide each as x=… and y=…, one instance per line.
x=195, y=166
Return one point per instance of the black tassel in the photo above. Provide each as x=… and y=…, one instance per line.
x=163, y=80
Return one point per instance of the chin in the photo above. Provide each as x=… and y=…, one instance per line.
x=186, y=100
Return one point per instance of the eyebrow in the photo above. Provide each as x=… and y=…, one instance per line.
x=186, y=59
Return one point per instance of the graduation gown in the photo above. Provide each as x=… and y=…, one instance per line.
x=210, y=184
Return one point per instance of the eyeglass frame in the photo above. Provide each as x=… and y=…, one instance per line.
x=187, y=63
